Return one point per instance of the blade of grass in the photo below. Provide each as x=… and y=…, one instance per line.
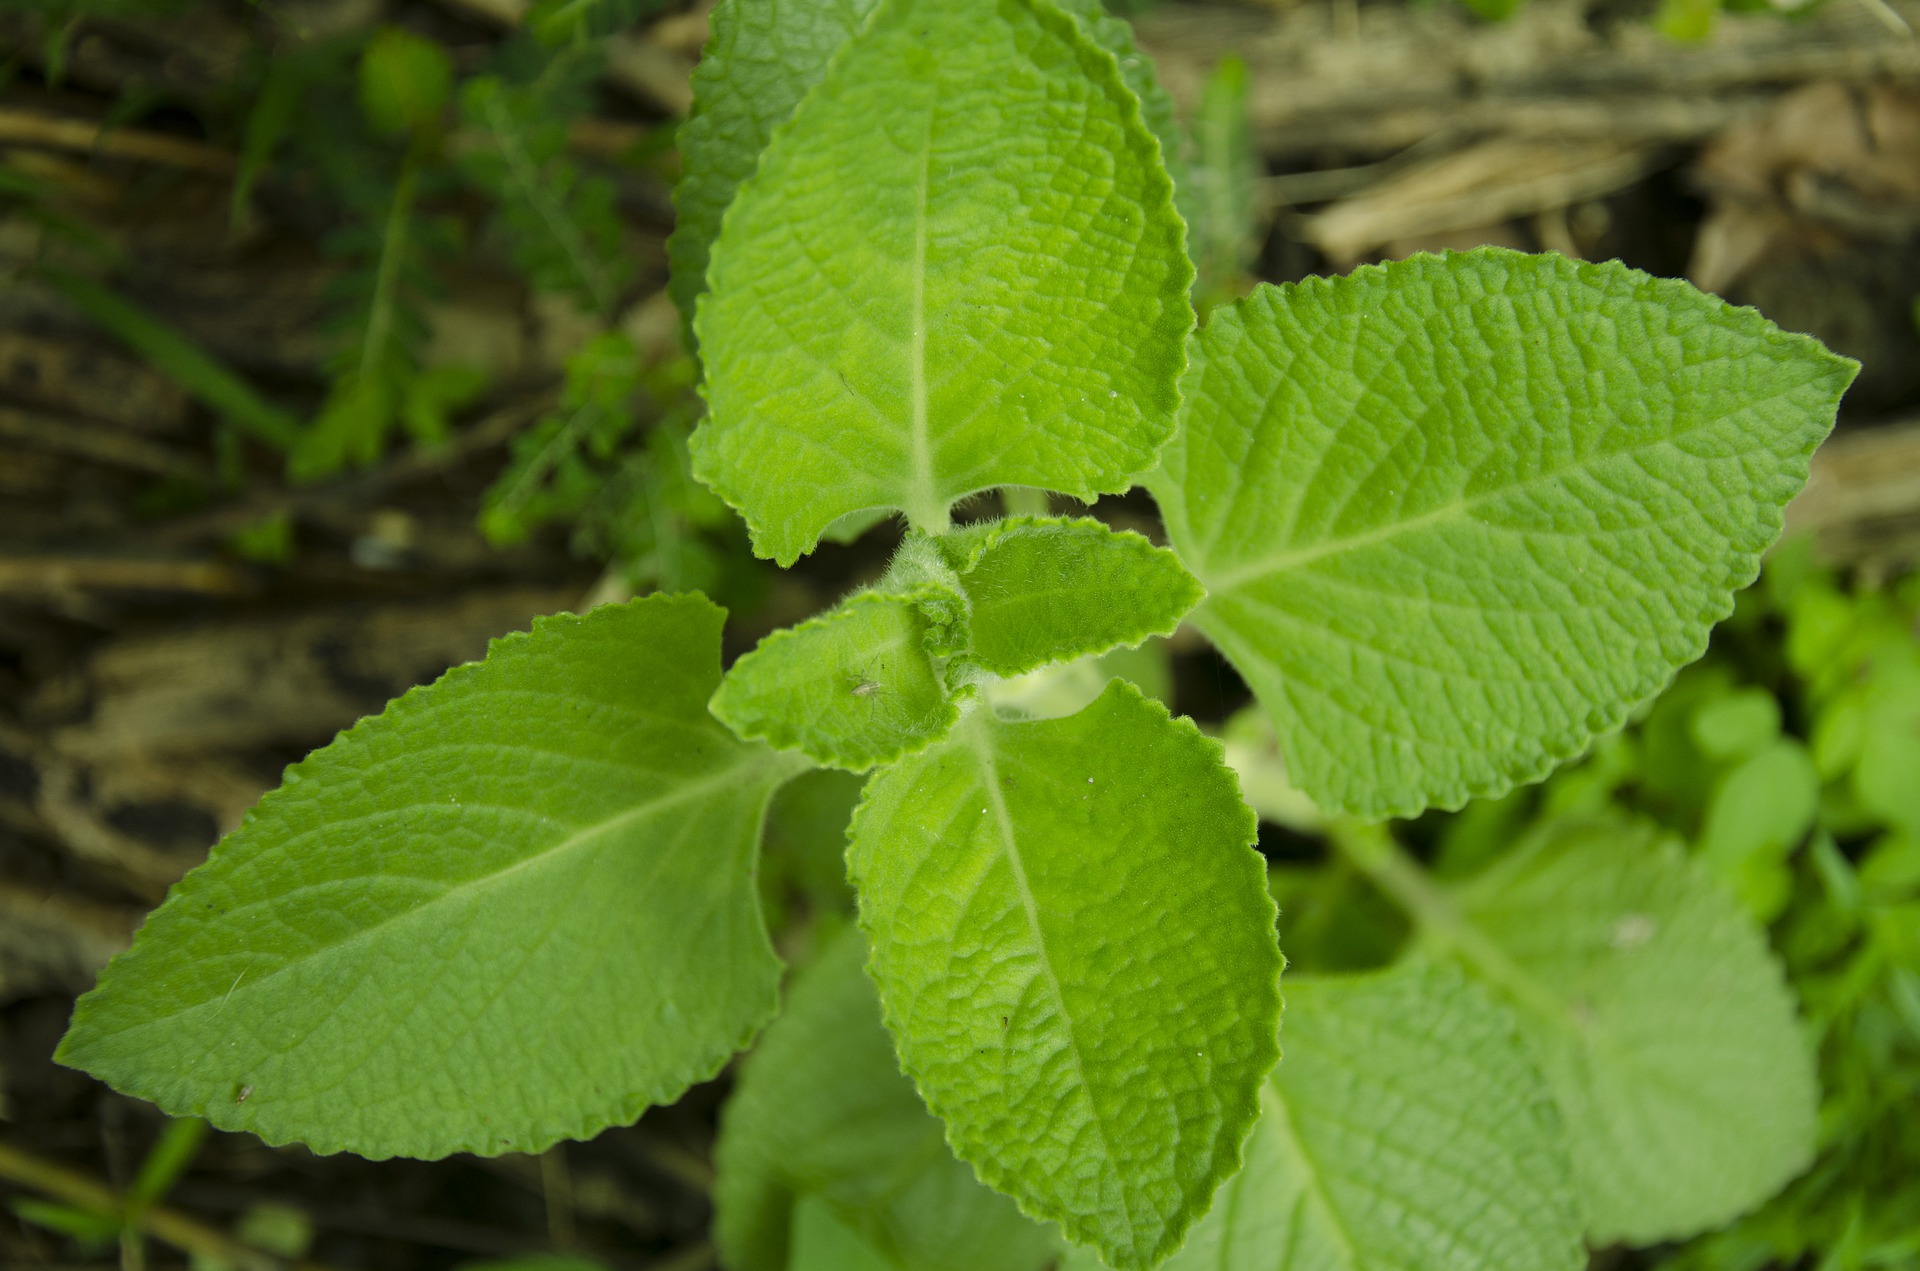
x=177, y=357
x=187, y=1234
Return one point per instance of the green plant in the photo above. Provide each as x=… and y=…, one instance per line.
x=1451, y=518
x=404, y=85
x=97, y=1227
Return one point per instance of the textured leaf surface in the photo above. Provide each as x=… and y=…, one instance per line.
x=517, y=906
x=1136, y=69
x=1075, y=950
x=854, y=687
x=1661, y=1021
x=1406, y=1128
x=822, y=1241
x=957, y=267
x=761, y=58
x=822, y=1110
x=1050, y=590
x=1456, y=515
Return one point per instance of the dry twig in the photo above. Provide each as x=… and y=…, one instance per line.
x=41, y=573
x=22, y=127
x=80, y=440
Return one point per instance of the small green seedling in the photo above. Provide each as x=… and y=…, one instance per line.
x=1452, y=518
x=97, y=1227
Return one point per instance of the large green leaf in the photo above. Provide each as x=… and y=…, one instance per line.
x=517, y=906
x=823, y=1111
x=958, y=266
x=761, y=58
x=1049, y=590
x=1660, y=1019
x=1456, y=515
x=1406, y=1128
x=1076, y=956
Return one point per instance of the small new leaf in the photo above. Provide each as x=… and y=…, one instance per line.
x=1664, y=1027
x=1075, y=951
x=1049, y=590
x=854, y=687
x=958, y=266
x=1457, y=515
x=464, y=925
x=1407, y=1127
x=822, y=1111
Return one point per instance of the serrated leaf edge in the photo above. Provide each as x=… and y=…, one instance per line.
x=699, y=124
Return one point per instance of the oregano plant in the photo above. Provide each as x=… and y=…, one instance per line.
x=1452, y=518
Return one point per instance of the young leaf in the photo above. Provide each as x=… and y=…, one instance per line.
x=1456, y=515
x=552, y=475
x=1758, y=814
x=822, y=1111
x=464, y=925
x=1049, y=590
x=950, y=272
x=1406, y=1127
x=1075, y=952
x=1661, y=1021
x=851, y=688
x=761, y=58
x=377, y=362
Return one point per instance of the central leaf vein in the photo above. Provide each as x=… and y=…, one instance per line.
x=981, y=741
x=1295, y=558
x=928, y=508
x=722, y=779
x=1272, y=1106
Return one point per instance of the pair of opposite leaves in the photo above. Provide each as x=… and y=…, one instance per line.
x=1453, y=515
